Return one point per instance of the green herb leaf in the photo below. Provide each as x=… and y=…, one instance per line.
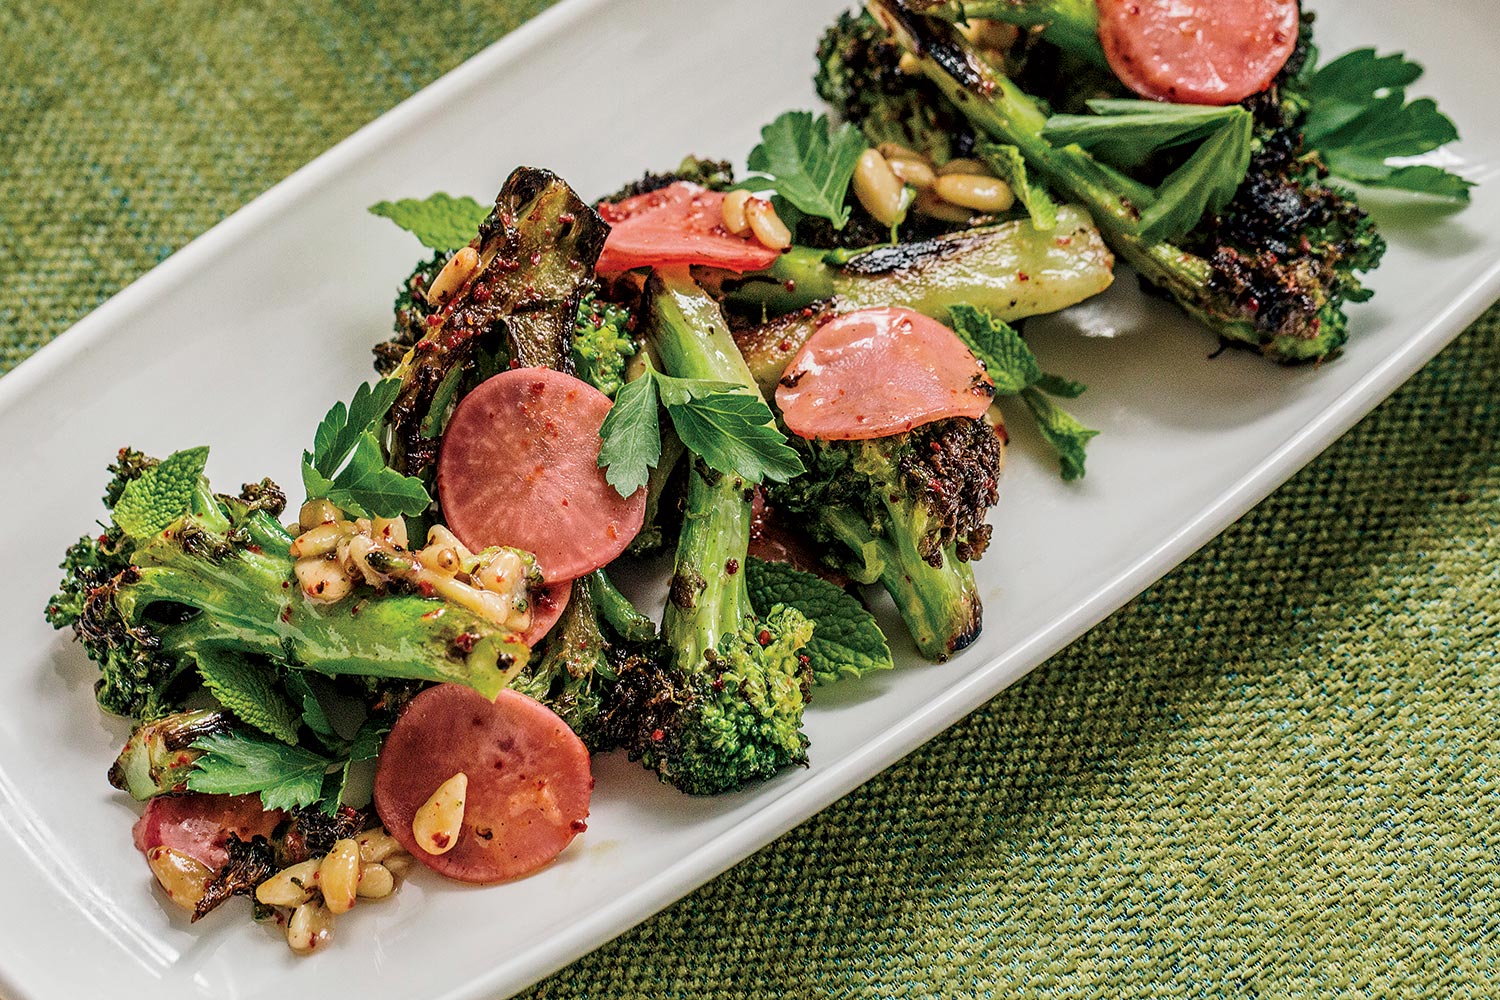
x=313, y=714
x=1010, y=166
x=286, y=777
x=1358, y=119
x=728, y=426
x=1127, y=133
x=631, y=436
x=365, y=746
x=1205, y=183
x=161, y=494
x=1063, y=432
x=1016, y=371
x=809, y=163
x=846, y=641
x=440, y=221
x=346, y=465
x=731, y=428
x=249, y=691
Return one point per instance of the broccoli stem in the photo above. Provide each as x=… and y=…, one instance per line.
x=708, y=597
x=616, y=609
x=939, y=604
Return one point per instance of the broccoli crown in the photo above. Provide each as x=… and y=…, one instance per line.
x=603, y=343
x=734, y=719
x=716, y=175
x=859, y=74
x=934, y=485
x=583, y=658
x=411, y=312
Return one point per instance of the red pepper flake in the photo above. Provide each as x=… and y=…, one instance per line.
x=252, y=547
x=465, y=641
x=439, y=839
x=657, y=735
x=578, y=826
x=481, y=293
x=566, y=217
x=434, y=320
x=102, y=539
x=732, y=566
x=1022, y=276
x=286, y=613
x=785, y=345
x=425, y=588
x=803, y=659
x=763, y=637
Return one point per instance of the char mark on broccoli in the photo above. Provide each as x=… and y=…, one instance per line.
x=250, y=863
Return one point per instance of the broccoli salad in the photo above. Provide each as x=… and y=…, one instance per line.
x=788, y=383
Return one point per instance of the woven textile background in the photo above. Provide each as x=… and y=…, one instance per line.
x=1275, y=774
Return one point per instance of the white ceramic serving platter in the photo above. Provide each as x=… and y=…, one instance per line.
x=242, y=340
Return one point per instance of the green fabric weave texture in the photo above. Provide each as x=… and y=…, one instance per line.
x=1274, y=774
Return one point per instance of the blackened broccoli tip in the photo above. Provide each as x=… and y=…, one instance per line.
x=716, y=175
x=909, y=511
x=411, y=312
x=219, y=581
x=604, y=341
x=1289, y=305
x=725, y=708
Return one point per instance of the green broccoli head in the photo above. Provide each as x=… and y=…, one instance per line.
x=909, y=511
x=732, y=718
x=716, y=175
x=604, y=341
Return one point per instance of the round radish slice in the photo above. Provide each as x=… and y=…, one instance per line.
x=528, y=789
x=682, y=223
x=520, y=467
x=877, y=372
x=1197, y=51
x=546, y=608
x=199, y=825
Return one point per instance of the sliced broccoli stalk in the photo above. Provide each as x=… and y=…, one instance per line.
x=909, y=511
x=725, y=708
x=1288, y=306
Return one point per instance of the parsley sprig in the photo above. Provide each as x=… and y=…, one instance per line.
x=346, y=465
x=728, y=426
x=809, y=163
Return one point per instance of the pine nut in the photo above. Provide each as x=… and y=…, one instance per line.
x=896, y=151
x=389, y=531
x=376, y=845
x=184, y=879
x=914, y=172
x=459, y=269
x=963, y=166
x=311, y=926
x=376, y=882
x=316, y=512
x=338, y=876
x=319, y=541
x=291, y=886
x=909, y=64
x=767, y=225
x=323, y=580
x=929, y=204
x=734, y=212
x=440, y=820
x=878, y=188
x=397, y=864
x=982, y=194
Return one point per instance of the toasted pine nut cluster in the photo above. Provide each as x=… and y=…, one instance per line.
x=890, y=179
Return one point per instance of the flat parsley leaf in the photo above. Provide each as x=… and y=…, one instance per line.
x=846, y=641
x=286, y=777
x=1017, y=372
x=440, y=221
x=161, y=494
x=809, y=163
x=630, y=439
x=249, y=691
x=728, y=426
x=346, y=465
x=1358, y=119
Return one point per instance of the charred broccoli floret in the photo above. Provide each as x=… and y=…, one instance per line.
x=187, y=580
x=909, y=511
x=412, y=310
x=1288, y=306
x=599, y=638
x=725, y=708
x=716, y=175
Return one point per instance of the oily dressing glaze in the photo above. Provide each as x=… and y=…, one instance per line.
x=881, y=371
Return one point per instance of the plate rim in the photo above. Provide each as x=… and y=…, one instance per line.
x=832, y=779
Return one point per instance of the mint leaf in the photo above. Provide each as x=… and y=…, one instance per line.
x=846, y=641
x=1358, y=119
x=730, y=427
x=1010, y=166
x=249, y=691
x=1016, y=371
x=286, y=777
x=1205, y=183
x=630, y=438
x=346, y=465
x=808, y=162
x=440, y=221
x=161, y=494
x=1063, y=432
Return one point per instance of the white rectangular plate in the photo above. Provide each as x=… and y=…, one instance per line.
x=243, y=339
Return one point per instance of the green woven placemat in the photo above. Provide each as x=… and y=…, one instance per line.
x=1274, y=774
